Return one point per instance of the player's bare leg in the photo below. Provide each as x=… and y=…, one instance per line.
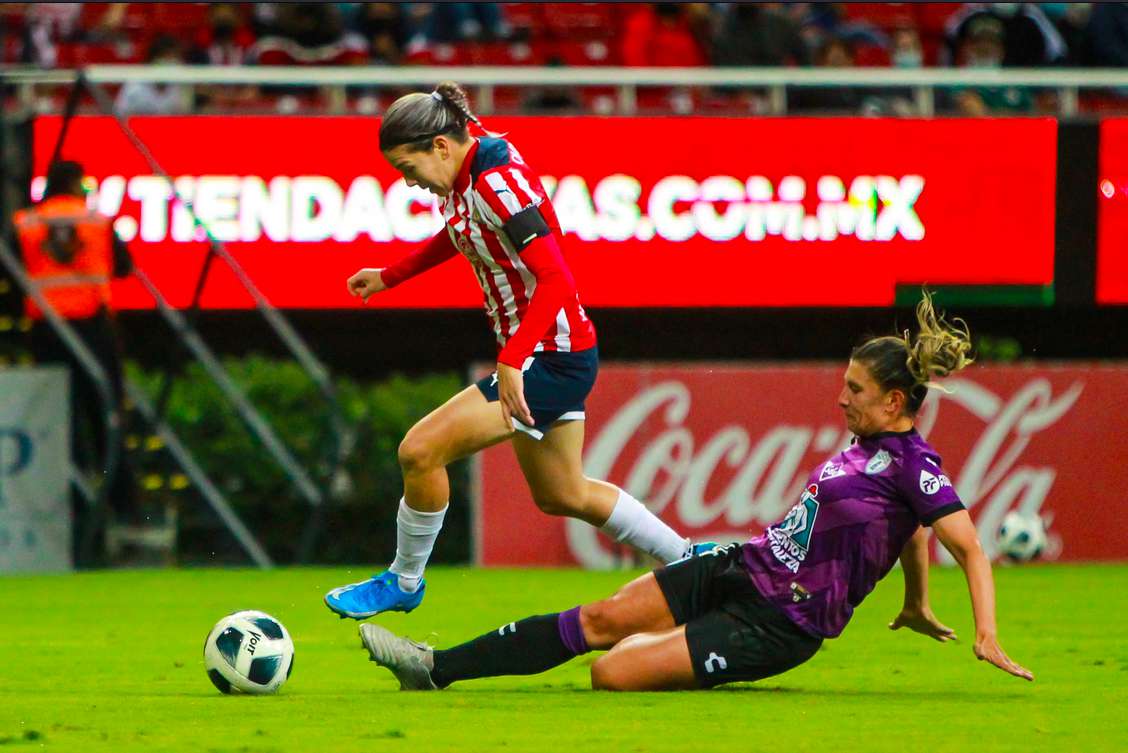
x=553, y=467
x=457, y=429
x=647, y=661
x=460, y=427
x=638, y=607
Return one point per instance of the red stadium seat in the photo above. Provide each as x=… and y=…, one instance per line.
x=73, y=55
x=1103, y=103
x=601, y=100
x=570, y=17
x=450, y=54
x=507, y=99
x=871, y=56
x=665, y=100
x=500, y=53
x=11, y=47
x=179, y=17
x=726, y=103
x=931, y=17
x=524, y=15
x=282, y=51
x=882, y=15
x=580, y=53
x=931, y=46
x=160, y=18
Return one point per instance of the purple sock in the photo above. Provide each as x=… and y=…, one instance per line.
x=571, y=632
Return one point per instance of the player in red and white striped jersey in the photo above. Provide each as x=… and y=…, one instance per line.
x=500, y=219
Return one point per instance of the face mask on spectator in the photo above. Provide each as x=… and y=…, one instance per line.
x=908, y=59
x=984, y=61
x=224, y=30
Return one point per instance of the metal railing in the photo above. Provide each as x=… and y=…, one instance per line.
x=342, y=434
x=924, y=83
x=95, y=495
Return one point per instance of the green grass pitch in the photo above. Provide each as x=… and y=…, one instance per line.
x=112, y=661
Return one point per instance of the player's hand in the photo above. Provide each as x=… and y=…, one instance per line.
x=987, y=649
x=921, y=620
x=366, y=282
x=511, y=395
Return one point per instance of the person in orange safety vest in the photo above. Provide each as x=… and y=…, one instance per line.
x=71, y=253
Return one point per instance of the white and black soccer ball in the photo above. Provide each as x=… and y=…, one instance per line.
x=248, y=652
x=1022, y=536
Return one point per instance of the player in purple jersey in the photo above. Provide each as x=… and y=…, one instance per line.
x=754, y=610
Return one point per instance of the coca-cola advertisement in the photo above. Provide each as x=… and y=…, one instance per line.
x=721, y=451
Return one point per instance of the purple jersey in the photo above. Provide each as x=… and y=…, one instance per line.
x=857, y=513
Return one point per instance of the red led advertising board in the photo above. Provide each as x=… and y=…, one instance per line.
x=678, y=212
x=1112, y=213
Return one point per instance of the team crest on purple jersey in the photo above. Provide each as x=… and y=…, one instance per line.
x=878, y=463
x=791, y=538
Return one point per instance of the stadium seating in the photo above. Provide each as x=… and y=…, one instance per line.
x=563, y=34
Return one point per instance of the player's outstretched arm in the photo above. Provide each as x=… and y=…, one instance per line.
x=957, y=533
x=370, y=280
x=916, y=613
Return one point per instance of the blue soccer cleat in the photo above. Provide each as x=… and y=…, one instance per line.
x=373, y=596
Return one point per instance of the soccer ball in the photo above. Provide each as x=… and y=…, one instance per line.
x=1022, y=536
x=248, y=652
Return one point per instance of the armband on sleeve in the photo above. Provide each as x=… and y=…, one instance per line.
x=525, y=227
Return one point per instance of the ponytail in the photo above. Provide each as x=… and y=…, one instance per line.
x=417, y=118
x=910, y=362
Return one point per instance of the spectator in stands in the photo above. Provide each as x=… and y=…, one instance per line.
x=1107, y=35
x=387, y=29
x=453, y=22
x=760, y=34
x=906, y=49
x=556, y=99
x=983, y=47
x=1029, y=39
x=661, y=34
x=305, y=34
x=1072, y=22
x=146, y=98
x=906, y=52
x=820, y=21
x=835, y=52
x=49, y=24
x=226, y=40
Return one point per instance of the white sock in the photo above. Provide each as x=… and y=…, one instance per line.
x=415, y=538
x=631, y=522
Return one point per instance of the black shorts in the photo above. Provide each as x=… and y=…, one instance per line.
x=733, y=633
x=556, y=385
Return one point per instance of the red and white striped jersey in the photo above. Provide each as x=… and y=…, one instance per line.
x=493, y=185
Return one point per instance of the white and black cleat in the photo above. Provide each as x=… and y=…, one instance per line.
x=409, y=661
